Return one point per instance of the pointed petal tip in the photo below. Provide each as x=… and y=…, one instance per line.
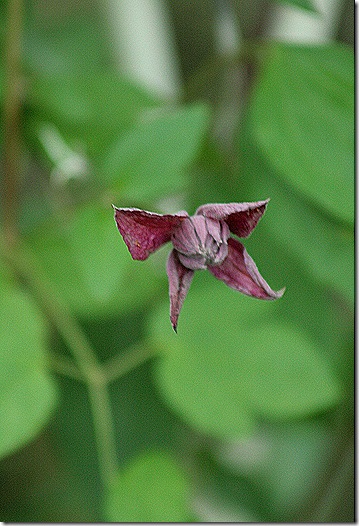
x=179, y=279
x=174, y=321
x=239, y=272
x=279, y=293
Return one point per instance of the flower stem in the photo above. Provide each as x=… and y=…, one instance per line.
x=62, y=365
x=122, y=364
x=12, y=110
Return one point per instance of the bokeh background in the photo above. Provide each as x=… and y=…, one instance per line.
x=105, y=413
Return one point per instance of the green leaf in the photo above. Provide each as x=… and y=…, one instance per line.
x=90, y=111
x=151, y=158
x=27, y=392
x=151, y=489
x=233, y=361
x=325, y=248
x=303, y=119
x=307, y=5
x=88, y=262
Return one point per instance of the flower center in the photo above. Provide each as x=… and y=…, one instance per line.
x=201, y=241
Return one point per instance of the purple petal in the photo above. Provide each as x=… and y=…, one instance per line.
x=144, y=232
x=179, y=278
x=241, y=218
x=240, y=272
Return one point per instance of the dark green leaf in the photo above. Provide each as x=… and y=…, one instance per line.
x=303, y=119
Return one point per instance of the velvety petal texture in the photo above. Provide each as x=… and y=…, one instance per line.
x=179, y=279
x=144, y=232
x=240, y=272
x=241, y=218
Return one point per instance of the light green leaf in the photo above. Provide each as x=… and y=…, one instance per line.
x=303, y=119
x=233, y=360
x=152, y=157
x=27, y=392
x=152, y=489
x=87, y=260
x=307, y=5
x=90, y=111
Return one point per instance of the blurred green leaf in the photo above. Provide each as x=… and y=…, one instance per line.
x=307, y=5
x=151, y=158
x=63, y=38
x=324, y=247
x=303, y=119
x=151, y=489
x=93, y=242
x=27, y=393
x=90, y=111
x=234, y=360
x=86, y=259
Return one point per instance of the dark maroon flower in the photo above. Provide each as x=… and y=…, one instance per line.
x=199, y=242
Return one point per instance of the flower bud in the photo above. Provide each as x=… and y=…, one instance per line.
x=201, y=241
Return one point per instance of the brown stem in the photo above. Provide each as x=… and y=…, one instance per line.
x=12, y=111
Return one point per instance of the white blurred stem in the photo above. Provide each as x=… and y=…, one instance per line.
x=142, y=44
x=296, y=25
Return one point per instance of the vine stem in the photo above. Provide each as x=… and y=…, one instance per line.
x=92, y=372
x=12, y=114
x=122, y=364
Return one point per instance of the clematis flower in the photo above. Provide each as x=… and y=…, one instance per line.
x=199, y=242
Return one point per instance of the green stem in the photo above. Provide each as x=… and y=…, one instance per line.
x=120, y=365
x=90, y=369
x=63, y=366
x=12, y=110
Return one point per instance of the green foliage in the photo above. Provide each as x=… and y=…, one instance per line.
x=27, y=392
x=307, y=5
x=220, y=373
x=253, y=398
x=303, y=145
x=324, y=247
x=85, y=258
x=153, y=488
x=152, y=158
x=89, y=111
